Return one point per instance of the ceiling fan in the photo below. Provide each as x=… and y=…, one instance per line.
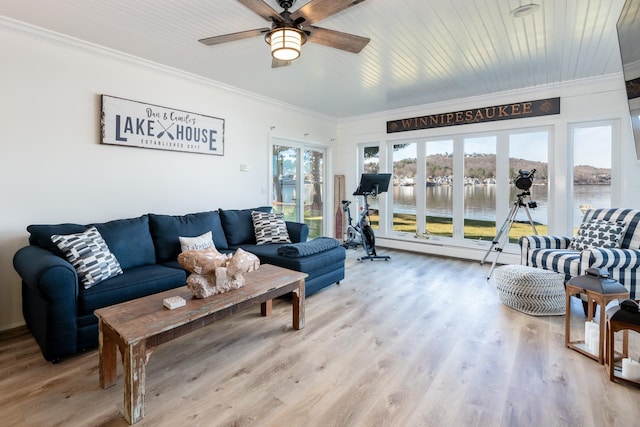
x=290, y=30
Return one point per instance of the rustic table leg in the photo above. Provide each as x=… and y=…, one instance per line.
x=298, y=306
x=108, y=350
x=266, y=307
x=135, y=358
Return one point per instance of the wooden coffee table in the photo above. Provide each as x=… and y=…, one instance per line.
x=136, y=327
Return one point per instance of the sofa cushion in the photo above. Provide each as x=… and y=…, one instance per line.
x=564, y=261
x=133, y=283
x=321, y=261
x=238, y=225
x=270, y=228
x=598, y=233
x=89, y=255
x=319, y=244
x=40, y=235
x=129, y=240
x=167, y=229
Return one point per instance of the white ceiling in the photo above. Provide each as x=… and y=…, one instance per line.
x=421, y=51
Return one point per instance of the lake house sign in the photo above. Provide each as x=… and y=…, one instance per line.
x=135, y=124
x=517, y=110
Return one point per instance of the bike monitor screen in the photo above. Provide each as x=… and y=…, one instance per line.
x=373, y=183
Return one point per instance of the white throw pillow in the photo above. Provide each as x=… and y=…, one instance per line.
x=203, y=241
x=89, y=255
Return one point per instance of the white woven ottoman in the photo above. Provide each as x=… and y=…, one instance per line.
x=531, y=290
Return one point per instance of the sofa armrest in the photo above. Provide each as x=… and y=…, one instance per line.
x=298, y=231
x=49, y=300
x=52, y=277
x=541, y=242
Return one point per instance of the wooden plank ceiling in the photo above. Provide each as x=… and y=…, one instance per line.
x=421, y=51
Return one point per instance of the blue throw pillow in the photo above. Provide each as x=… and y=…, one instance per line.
x=166, y=231
x=129, y=240
x=238, y=225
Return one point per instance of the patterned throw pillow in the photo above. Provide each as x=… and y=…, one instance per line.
x=89, y=255
x=203, y=241
x=270, y=228
x=598, y=233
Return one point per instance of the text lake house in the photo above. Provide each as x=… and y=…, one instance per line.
x=136, y=124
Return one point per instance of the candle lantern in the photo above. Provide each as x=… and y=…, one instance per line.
x=600, y=290
x=623, y=318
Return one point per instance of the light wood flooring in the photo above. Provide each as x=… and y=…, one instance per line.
x=416, y=341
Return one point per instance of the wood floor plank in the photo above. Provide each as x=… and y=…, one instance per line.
x=415, y=341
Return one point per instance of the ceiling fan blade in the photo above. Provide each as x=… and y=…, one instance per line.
x=277, y=63
x=210, y=41
x=261, y=8
x=337, y=39
x=317, y=10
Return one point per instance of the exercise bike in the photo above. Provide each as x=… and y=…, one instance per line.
x=361, y=233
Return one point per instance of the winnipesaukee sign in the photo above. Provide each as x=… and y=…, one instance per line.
x=136, y=124
x=516, y=110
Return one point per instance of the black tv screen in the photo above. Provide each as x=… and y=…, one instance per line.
x=628, y=27
x=373, y=183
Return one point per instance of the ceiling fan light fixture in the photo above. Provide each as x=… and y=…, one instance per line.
x=286, y=42
x=524, y=10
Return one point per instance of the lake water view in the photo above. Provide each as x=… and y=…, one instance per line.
x=480, y=201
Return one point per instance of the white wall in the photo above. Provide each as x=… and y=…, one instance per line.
x=580, y=101
x=53, y=169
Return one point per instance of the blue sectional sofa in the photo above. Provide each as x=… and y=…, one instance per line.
x=59, y=311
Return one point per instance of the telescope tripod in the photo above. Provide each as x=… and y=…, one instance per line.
x=502, y=236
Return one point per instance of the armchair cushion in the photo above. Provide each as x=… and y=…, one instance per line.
x=559, y=260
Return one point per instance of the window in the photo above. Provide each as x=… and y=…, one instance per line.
x=439, y=188
x=591, y=168
x=479, y=188
x=371, y=156
x=404, y=187
x=462, y=185
x=370, y=164
x=528, y=152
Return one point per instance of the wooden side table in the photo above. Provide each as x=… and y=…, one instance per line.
x=620, y=320
x=596, y=294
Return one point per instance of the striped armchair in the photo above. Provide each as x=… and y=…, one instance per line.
x=623, y=262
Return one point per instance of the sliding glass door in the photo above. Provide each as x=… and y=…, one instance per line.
x=298, y=183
